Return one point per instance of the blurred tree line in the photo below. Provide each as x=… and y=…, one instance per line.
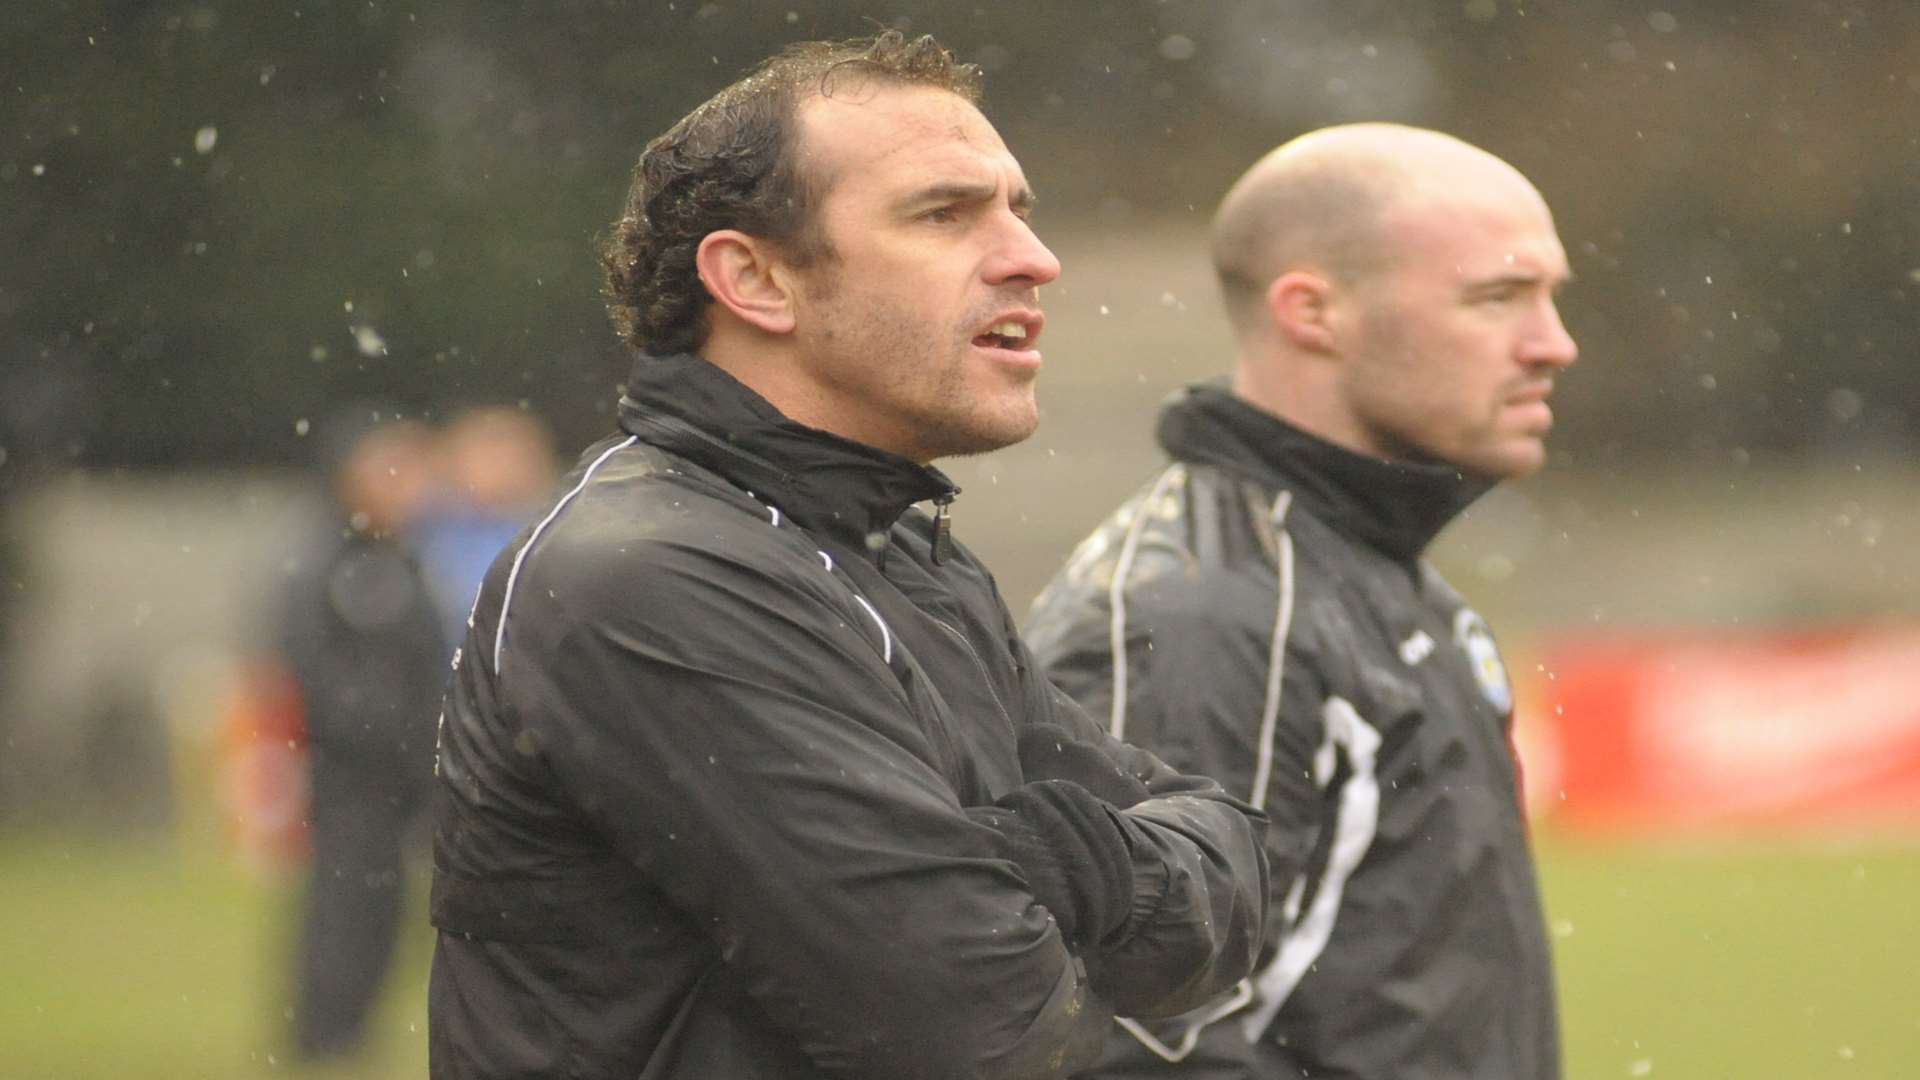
x=223, y=218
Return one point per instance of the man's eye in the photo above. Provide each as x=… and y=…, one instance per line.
x=941, y=215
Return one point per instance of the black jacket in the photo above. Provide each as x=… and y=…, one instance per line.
x=359, y=633
x=702, y=776
x=1283, y=635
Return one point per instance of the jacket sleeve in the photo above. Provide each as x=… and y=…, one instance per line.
x=1195, y=692
x=1201, y=877
x=736, y=731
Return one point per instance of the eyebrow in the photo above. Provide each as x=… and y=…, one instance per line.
x=1518, y=278
x=967, y=191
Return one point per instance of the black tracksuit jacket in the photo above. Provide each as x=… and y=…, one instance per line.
x=357, y=628
x=702, y=774
x=1283, y=635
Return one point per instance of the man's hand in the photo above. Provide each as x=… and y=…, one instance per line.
x=1072, y=847
x=1051, y=752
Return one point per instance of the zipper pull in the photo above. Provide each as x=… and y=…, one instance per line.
x=942, y=525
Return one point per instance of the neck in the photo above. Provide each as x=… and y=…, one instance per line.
x=771, y=366
x=761, y=362
x=1282, y=384
x=1302, y=389
x=1257, y=381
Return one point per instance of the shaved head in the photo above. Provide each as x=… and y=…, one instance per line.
x=1323, y=202
x=1391, y=290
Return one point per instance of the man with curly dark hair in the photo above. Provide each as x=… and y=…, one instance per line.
x=745, y=771
x=731, y=164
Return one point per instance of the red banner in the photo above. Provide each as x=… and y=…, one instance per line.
x=1709, y=732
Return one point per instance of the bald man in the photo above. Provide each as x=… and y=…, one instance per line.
x=1391, y=293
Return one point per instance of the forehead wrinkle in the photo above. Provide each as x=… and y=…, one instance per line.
x=1514, y=268
x=1493, y=229
x=964, y=162
x=918, y=130
x=828, y=163
x=945, y=137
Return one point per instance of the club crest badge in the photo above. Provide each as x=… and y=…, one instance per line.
x=1470, y=632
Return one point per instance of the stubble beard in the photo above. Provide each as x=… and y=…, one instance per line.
x=919, y=375
x=953, y=417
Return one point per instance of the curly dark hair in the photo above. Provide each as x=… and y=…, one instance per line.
x=730, y=164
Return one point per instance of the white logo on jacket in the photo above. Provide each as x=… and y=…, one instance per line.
x=1471, y=634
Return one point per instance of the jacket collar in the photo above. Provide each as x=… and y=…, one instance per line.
x=826, y=484
x=1397, y=507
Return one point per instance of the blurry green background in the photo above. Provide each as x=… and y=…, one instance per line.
x=223, y=221
x=1745, y=960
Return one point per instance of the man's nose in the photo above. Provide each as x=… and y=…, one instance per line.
x=1549, y=342
x=1021, y=257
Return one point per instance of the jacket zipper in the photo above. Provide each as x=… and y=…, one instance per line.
x=943, y=527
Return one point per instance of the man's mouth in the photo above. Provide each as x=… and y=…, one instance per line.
x=1531, y=393
x=1011, y=334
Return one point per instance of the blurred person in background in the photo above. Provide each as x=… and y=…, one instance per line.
x=744, y=771
x=360, y=634
x=497, y=463
x=1261, y=612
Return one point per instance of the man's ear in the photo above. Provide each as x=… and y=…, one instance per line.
x=1299, y=302
x=745, y=276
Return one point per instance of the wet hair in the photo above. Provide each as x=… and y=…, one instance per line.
x=732, y=163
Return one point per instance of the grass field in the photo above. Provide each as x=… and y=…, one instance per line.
x=1776, y=962
x=1748, y=961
